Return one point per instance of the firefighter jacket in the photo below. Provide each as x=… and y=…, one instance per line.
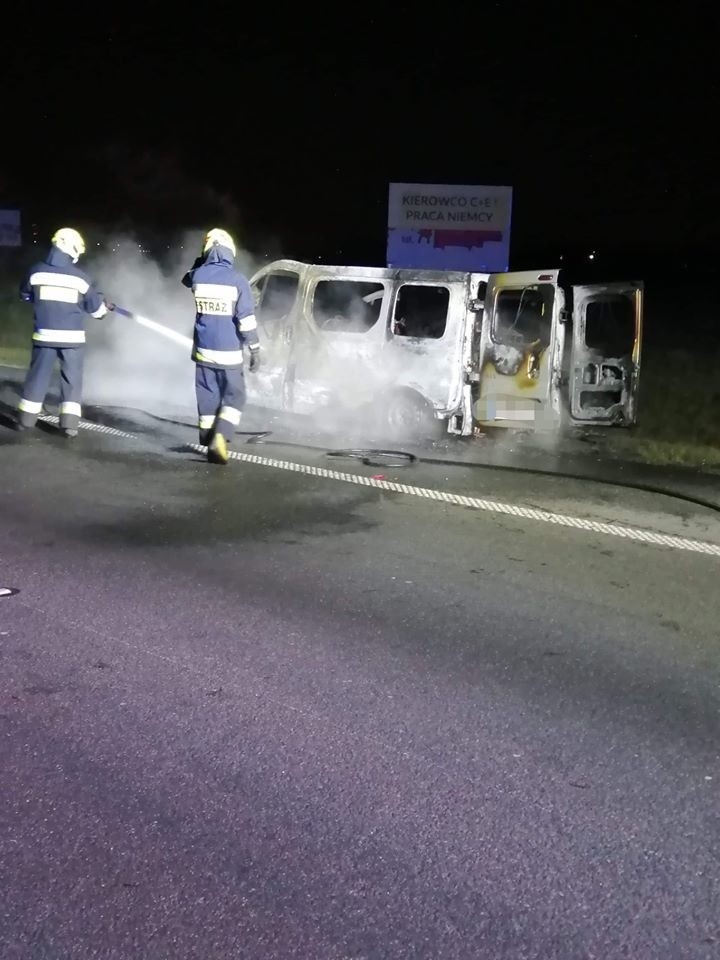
x=62, y=296
x=225, y=310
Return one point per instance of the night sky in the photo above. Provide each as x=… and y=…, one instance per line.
x=288, y=127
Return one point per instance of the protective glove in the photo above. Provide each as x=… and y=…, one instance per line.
x=254, y=359
x=110, y=306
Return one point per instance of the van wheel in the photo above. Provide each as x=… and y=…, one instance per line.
x=406, y=414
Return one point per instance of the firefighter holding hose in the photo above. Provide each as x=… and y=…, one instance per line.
x=224, y=324
x=62, y=296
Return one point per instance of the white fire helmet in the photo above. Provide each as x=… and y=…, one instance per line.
x=219, y=238
x=70, y=242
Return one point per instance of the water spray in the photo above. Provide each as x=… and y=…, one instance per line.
x=153, y=325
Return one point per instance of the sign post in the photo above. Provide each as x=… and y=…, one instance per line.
x=446, y=227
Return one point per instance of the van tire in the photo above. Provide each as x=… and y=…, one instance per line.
x=407, y=415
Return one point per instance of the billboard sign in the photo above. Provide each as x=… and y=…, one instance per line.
x=446, y=227
x=10, y=235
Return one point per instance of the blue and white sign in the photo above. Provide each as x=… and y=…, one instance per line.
x=446, y=227
x=10, y=233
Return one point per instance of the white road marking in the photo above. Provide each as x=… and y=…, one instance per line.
x=478, y=503
x=95, y=427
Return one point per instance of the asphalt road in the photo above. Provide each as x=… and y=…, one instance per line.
x=249, y=713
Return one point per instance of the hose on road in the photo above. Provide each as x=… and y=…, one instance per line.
x=391, y=458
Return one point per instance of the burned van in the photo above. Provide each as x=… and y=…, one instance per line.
x=413, y=350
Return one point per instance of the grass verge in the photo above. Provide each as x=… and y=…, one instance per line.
x=678, y=411
x=667, y=453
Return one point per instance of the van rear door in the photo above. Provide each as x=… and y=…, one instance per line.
x=521, y=350
x=605, y=356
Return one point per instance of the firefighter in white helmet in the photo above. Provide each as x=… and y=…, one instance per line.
x=62, y=296
x=224, y=324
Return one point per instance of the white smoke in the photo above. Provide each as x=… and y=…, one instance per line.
x=128, y=365
x=339, y=373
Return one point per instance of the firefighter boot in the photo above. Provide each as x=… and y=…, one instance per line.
x=25, y=420
x=69, y=425
x=218, y=449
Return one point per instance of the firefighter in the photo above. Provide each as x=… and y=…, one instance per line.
x=61, y=295
x=224, y=324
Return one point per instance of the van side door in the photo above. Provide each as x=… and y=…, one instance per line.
x=276, y=298
x=428, y=329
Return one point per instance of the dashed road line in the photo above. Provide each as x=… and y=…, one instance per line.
x=95, y=427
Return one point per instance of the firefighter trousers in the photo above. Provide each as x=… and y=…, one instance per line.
x=220, y=394
x=37, y=382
